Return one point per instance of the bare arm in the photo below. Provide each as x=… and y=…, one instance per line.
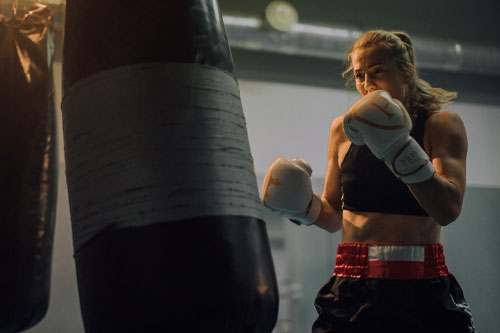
x=330, y=217
x=446, y=143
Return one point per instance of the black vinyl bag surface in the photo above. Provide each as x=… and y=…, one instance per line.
x=28, y=172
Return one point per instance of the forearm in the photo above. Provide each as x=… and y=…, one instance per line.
x=440, y=198
x=329, y=219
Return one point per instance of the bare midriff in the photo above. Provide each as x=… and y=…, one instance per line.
x=382, y=228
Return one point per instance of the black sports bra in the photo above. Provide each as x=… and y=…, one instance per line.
x=369, y=186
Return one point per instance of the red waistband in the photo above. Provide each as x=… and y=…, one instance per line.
x=395, y=262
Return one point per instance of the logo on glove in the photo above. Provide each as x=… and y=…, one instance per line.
x=381, y=104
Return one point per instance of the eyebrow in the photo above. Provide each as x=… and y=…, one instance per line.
x=370, y=66
x=375, y=64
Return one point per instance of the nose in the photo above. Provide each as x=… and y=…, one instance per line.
x=369, y=84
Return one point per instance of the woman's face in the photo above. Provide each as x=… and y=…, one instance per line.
x=375, y=69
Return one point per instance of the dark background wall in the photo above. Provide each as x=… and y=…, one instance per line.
x=473, y=22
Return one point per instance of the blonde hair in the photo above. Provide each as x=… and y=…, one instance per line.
x=422, y=96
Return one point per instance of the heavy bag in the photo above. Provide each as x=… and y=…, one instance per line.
x=28, y=172
x=166, y=217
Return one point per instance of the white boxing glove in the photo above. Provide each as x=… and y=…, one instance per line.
x=384, y=125
x=287, y=190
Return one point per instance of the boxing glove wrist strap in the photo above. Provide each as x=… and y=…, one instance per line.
x=410, y=163
x=312, y=212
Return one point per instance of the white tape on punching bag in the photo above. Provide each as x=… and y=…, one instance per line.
x=158, y=142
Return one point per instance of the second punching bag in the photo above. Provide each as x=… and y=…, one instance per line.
x=165, y=210
x=28, y=172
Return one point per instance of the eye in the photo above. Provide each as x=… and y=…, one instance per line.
x=379, y=70
x=359, y=76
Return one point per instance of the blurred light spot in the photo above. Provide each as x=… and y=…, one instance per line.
x=320, y=30
x=242, y=21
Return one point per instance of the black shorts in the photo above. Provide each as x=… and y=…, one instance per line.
x=360, y=304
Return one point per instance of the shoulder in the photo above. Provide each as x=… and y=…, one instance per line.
x=337, y=128
x=338, y=143
x=337, y=135
x=443, y=119
x=445, y=129
x=444, y=123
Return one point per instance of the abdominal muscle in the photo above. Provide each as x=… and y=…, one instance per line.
x=381, y=228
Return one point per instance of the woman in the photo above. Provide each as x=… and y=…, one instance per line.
x=390, y=273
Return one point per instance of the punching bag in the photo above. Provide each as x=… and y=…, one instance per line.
x=27, y=168
x=166, y=218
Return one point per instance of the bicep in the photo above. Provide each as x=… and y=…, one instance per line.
x=331, y=190
x=330, y=217
x=332, y=187
x=449, y=149
x=446, y=143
